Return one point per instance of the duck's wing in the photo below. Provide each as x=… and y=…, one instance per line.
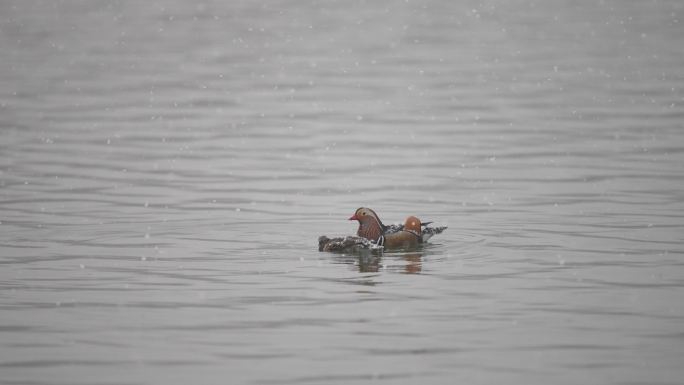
x=393, y=228
x=428, y=232
x=348, y=244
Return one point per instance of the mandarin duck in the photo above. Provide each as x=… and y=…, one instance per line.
x=408, y=237
x=373, y=234
x=371, y=227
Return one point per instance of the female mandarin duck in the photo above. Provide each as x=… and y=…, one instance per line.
x=406, y=238
x=373, y=234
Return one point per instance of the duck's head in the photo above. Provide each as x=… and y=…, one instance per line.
x=370, y=226
x=412, y=224
x=363, y=214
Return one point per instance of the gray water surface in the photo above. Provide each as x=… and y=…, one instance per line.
x=167, y=167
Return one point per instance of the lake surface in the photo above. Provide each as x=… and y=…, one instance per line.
x=167, y=167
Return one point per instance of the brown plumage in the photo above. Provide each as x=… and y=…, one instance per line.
x=370, y=225
x=409, y=237
x=372, y=234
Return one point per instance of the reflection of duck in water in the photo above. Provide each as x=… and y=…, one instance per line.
x=414, y=263
x=373, y=234
x=368, y=262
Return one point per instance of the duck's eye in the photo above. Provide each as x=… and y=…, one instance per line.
x=363, y=213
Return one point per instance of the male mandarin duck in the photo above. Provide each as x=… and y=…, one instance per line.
x=373, y=234
x=370, y=225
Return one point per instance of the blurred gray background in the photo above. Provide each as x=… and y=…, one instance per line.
x=166, y=169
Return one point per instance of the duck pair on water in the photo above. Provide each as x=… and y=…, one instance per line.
x=373, y=234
